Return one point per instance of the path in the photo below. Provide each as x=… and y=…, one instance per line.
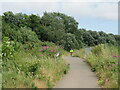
x=79, y=75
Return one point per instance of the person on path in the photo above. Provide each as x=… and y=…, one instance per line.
x=71, y=51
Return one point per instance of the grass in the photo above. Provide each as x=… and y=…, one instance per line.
x=30, y=70
x=103, y=62
x=0, y=81
x=79, y=53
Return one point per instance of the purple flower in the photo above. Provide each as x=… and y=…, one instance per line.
x=109, y=67
x=40, y=50
x=45, y=47
x=115, y=56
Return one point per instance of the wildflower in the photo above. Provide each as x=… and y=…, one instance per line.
x=57, y=54
x=109, y=67
x=40, y=50
x=115, y=56
x=45, y=47
x=41, y=55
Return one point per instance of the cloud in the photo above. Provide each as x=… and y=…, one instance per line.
x=29, y=0
x=93, y=0
x=92, y=9
x=59, y=0
x=29, y=7
x=75, y=9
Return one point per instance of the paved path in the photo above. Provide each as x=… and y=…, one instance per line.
x=79, y=75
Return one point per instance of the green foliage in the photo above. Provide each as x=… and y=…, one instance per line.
x=49, y=51
x=28, y=35
x=22, y=35
x=97, y=49
x=101, y=82
x=69, y=41
x=104, y=61
x=53, y=27
x=27, y=67
x=21, y=42
x=9, y=48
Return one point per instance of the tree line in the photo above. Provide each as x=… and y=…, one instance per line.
x=54, y=27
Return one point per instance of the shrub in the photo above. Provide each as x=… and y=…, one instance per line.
x=104, y=61
x=9, y=48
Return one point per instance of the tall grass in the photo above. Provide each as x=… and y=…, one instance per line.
x=79, y=53
x=29, y=69
x=104, y=61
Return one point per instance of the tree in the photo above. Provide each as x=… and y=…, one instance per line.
x=87, y=38
x=69, y=41
x=54, y=27
x=79, y=37
x=102, y=38
x=34, y=21
x=70, y=23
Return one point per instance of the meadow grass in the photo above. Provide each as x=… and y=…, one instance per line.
x=29, y=69
x=79, y=53
x=103, y=60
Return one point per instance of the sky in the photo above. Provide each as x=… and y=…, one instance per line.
x=96, y=15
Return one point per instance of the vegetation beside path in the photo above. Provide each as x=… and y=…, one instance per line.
x=29, y=43
x=103, y=60
x=31, y=68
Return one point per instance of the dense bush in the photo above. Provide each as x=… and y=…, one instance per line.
x=53, y=27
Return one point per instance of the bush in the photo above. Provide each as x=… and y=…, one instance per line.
x=97, y=50
x=21, y=35
x=9, y=48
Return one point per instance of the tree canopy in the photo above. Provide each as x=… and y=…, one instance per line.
x=53, y=27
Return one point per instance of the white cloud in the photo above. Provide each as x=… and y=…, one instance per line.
x=29, y=7
x=0, y=8
x=76, y=9
x=93, y=0
x=28, y=0
x=98, y=10
x=59, y=0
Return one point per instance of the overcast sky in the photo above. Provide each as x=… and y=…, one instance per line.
x=98, y=15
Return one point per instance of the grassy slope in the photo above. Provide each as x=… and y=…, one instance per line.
x=30, y=70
